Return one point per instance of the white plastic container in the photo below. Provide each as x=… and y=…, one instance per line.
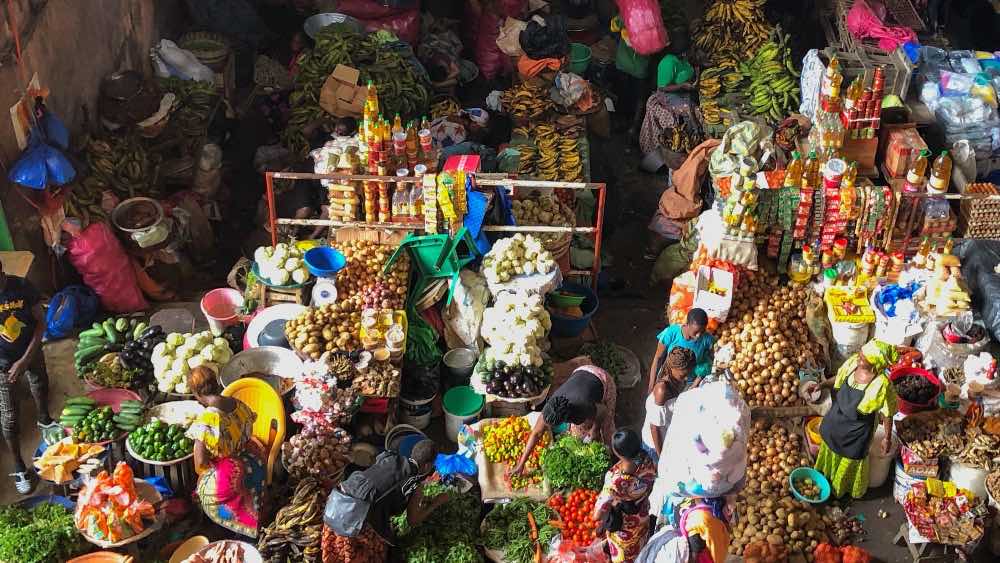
x=880, y=466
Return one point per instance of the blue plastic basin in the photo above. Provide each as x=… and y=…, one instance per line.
x=323, y=261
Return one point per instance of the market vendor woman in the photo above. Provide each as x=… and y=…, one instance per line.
x=861, y=393
x=691, y=335
x=226, y=457
x=586, y=401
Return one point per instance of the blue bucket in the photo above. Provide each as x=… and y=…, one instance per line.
x=324, y=262
x=568, y=327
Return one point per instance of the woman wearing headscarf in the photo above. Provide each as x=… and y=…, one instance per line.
x=622, y=508
x=861, y=393
x=586, y=401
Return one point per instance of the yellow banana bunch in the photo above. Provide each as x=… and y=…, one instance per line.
x=526, y=102
x=731, y=28
x=554, y=157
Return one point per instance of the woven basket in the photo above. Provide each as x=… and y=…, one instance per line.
x=211, y=49
x=269, y=73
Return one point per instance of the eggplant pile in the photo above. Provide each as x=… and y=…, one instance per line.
x=515, y=381
x=135, y=354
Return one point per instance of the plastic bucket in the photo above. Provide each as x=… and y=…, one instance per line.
x=906, y=407
x=579, y=58
x=403, y=436
x=221, y=307
x=903, y=482
x=968, y=477
x=416, y=412
x=462, y=405
x=460, y=362
x=323, y=261
x=568, y=327
x=879, y=466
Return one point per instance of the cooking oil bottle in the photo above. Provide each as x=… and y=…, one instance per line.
x=397, y=124
x=810, y=174
x=793, y=173
x=940, y=174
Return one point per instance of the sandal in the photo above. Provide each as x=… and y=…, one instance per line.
x=51, y=432
x=24, y=482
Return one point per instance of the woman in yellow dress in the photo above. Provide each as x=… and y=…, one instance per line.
x=862, y=393
x=227, y=459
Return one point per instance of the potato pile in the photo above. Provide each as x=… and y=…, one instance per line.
x=328, y=328
x=365, y=260
x=766, y=510
x=768, y=331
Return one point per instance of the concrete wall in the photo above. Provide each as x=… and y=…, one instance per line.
x=71, y=45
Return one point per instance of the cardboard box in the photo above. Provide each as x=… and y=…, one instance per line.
x=341, y=95
x=901, y=149
x=717, y=305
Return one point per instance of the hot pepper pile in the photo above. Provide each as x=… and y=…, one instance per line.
x=504, y=441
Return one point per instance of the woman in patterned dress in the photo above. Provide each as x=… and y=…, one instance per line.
x=622, y=508
x=226, y=457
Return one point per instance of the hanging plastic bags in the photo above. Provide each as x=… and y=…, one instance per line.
x=41, y=165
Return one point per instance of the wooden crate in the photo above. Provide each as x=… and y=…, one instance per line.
x=863, y=152
x=899, y=12
x=896, y=68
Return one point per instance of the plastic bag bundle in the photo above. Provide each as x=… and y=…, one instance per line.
x=106, y=269
x=73, y=306
x=644, y=23
x=548, y=40
x=41, y=165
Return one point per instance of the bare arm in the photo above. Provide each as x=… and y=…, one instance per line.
x=419, y=507
x=202, y=459
x=660, y=351
x=22, y=363
x=536, y=434
x=887, y=440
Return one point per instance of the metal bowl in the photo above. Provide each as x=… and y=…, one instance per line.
x=278, y=365
x=314, y=24
x=120, y=213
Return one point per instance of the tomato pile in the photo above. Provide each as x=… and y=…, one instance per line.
x=577, y=513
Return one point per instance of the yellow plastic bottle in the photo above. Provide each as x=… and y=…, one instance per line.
x=918, y=169
x=941, y=173
x=793, y=173
x=810, y=176
x=854, y=92
x=397, y=125
x=371, y=101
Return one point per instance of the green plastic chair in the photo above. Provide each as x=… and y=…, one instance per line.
x=437, y=256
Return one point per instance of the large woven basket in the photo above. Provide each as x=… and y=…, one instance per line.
x=211, y=49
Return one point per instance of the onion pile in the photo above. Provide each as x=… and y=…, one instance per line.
x=767, y=511
x=771, y=341
x=362, y=279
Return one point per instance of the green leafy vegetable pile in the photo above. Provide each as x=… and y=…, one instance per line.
x=570, y=463
x=449, y=535
x=507, y=529
x=44, y=534
x=606, y=356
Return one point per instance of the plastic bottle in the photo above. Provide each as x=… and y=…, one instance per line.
x=397, y=125
x=918, y=169
x=425, y=123
x=371, y=100
x=793, y=173
x=940, y=173
x=853, y=93
x=810, y=175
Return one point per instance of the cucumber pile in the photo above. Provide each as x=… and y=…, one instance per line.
x=160, y=441
x=105, y=337
x=92, y=422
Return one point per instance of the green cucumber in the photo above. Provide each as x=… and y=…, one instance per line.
x=127, y=418
x=92, y=332
x=84, y=355
x=97, y=326
x=92, y=341
x=131, y=403
x=81, y=400
x=110, y=333
x=76, y=410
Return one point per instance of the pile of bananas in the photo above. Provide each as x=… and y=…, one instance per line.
x=526, y=102
x=731, y=28
x=83, y=201
x=296, y=532
x=682, y=138
x=553, y=157
x=118, y=163
x=444, y=108
x=195, y=103
x=774, y=82
x=400, y=88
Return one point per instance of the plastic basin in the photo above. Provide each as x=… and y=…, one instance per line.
x=323, y=261
x=568, y=327
x=579, y=57
x=907, y=407
x=817, y=477
x=565, y=299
